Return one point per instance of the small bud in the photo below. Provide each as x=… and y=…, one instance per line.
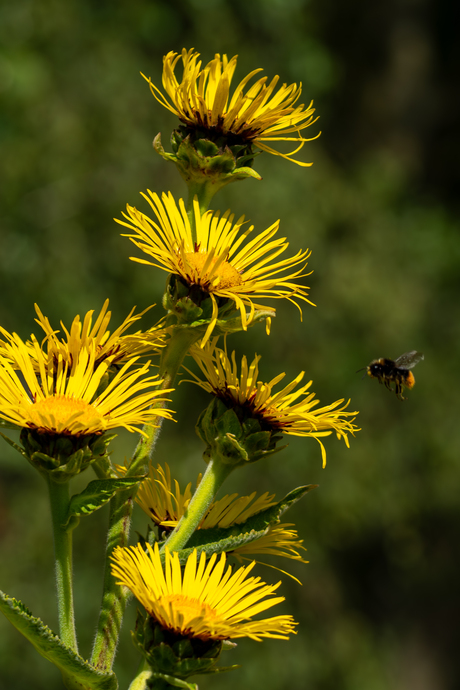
x=202, y=161
x=233, y=436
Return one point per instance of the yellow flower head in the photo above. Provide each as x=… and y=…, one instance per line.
x=165, y=506
x=84, y=336
x=52, y=397
x=288, y=411
x=206, y=601
x=157, y=498
x=220, y=263
x=254, y=114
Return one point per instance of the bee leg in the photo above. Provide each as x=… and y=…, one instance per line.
x=399, y=391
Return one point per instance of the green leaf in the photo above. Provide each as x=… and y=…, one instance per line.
x=273, y=514
x=228, y=645
x=97, y=493
x=221, y=669
x=210, y=541
x=140, y=681
x=78, y=674
x=14, y=445
x=176, y=682
x=219, y=539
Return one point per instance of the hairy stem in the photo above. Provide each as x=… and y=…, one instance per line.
x=214, y=477
x=59, y=501
x=114, y=596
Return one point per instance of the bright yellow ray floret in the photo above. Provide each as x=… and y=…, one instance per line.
x=289, y=410
x=257, y=114
x=38, y=392
x=85, y=335
x=166, y=504
x=220, y=261
x=206, y=600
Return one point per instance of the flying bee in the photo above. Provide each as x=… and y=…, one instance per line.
x=396, y=371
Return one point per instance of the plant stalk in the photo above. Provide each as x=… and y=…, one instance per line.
x=214, y=477
x=59, y=502
x=115, y=597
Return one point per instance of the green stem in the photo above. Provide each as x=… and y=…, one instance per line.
x=173, y=354
x=172, y=357
x=204, y=191
x=214, y=477
x=114, y=596
x=59, y=501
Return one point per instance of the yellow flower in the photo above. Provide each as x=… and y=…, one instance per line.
x=85, y=335
x=157, y=498
x=218, y=262
x=58, y=398
x=166, y=506
x=251, y=115
x=205, y=601
x=288, y=411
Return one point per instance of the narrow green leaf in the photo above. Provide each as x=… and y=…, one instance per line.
x=97, y=493
x=228, y=645
x=78, y=674
x=219, y=539
x=288, y=501
x=176, y=682
x=221, y=669
x=204, y=540
x=140, y=681
x=14, y=445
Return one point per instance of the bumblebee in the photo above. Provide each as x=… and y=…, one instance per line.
x=389, y=371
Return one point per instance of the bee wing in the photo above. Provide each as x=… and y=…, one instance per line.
x=409, y=359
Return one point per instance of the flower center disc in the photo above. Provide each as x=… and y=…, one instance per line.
x=188, y=607
x=224, y=277
x=61, y=414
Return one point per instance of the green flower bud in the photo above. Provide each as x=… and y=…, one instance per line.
x=206, y=160
x=233, y=436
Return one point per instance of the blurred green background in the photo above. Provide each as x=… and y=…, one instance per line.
x=379, y=605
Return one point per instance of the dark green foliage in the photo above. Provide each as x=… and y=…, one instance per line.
x=79, y=673
x=97, y=493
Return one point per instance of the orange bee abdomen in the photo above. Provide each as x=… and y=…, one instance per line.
x=410, y=380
